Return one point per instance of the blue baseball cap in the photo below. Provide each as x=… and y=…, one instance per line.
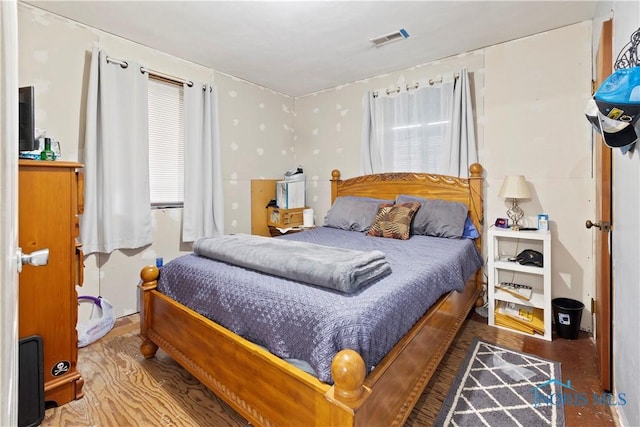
x=615, y=108
x=618, y=98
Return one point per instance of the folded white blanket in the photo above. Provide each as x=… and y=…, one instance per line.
x=343, y=270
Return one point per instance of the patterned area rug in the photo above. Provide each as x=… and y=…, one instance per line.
x=496, y=386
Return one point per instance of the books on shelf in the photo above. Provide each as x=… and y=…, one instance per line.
x=520, y=317
x=523, y=292
x=510, y=324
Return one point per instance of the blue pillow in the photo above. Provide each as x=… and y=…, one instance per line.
x=353, y=213
x=437, y=217
x=470, y=231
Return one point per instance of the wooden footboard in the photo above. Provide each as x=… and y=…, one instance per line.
x=262, y=387
x=268, y=391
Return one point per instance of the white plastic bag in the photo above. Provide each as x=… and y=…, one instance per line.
x=100, y=323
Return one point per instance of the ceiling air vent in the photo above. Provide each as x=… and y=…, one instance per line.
x=388, y=38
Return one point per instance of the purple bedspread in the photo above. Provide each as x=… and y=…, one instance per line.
x=301, y=321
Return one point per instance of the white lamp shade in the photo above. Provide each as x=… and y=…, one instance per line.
x=514, y=187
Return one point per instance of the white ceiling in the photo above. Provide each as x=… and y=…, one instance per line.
x=301, y=47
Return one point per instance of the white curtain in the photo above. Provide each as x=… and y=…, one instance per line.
x=419, y=130
x=372, y=136
x=8, y=196
x=460, y=152
x=117, y=212
x=203, y=213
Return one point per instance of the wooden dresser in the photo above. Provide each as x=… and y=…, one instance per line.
x=50, y=200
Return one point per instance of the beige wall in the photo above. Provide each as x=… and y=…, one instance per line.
x=529, y=96
x=256, y=133
x=528, y=100
x=535, y=125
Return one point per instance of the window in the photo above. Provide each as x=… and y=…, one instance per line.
x=166, y=144
x=408, y=131
x=415, y=130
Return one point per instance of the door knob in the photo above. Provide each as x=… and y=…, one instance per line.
x=603, y=225
x=36, y=258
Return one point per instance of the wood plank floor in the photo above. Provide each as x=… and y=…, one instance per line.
x=124, y=389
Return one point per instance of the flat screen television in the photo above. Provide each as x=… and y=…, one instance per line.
x=27, y=125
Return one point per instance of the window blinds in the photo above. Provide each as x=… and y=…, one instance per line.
x=166, y=143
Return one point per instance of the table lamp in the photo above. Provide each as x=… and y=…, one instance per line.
x=514, y=187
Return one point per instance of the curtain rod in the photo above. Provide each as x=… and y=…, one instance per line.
x=143, y=70
x=416, y=85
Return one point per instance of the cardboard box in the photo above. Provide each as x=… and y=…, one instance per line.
x=290, y=195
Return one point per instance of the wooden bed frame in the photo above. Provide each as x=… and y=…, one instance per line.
x=268, y=391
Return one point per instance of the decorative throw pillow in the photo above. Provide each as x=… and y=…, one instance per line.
x=353, y=213
x=394, y=220
x=436, y=217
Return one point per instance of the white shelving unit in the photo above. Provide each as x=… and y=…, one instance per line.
x=506, y=243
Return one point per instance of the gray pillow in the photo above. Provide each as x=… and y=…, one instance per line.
x=353, y=213
x=436, y=217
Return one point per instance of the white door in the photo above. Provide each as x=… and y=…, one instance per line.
x=9, y=213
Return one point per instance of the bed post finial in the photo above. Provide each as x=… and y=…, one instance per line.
x=335, y=178
x=475, y=170
x=348, y=372
x=149, y=273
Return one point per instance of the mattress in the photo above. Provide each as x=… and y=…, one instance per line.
x=294, y=320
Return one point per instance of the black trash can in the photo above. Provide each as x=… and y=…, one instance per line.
x=567, y=314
